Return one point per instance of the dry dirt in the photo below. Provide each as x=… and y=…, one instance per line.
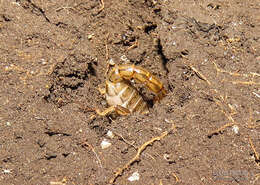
x=53, y=58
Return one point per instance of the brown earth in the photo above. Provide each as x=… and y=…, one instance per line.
x=53, y=59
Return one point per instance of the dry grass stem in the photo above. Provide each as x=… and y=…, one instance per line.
x=176, y=177
x=102, y=5
x=200, y=75
x=85, y=145
x=257, y=159
x=62, y=182
x=251, y=124
x=131, y=144
x=221, y=129
x=135, y=45
x=251, y=75
x=244, y=82
x=137, y=156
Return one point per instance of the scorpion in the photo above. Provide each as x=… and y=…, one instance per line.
x=122, y=97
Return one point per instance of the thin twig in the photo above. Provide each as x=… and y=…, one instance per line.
x=85, y=144
x=133, y=46
x=102, y=6
x=175, y=176
x=200, y=75
x=221, y=129
x=253, y=148
x=137, y=156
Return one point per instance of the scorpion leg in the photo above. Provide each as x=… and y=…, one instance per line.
x=116, y=108
x=102, y=90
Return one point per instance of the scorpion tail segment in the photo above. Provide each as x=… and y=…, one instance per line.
x=119, y=73
x=154, y=84
x=114, y=75
x=160, y=95
x=139, y=74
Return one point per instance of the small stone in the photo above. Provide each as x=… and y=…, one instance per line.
x=111, y=62
x=43, y=62
x=110, y=134
x=8, y=123
x=124, y=58
x=90, y=36
x=174, y=27
x=235, y=129
x=134, y=177
x=105, y=144
x=258, y=58
x=7, y=171
x=166, y=157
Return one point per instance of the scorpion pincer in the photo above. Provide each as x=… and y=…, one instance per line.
x=122, y=97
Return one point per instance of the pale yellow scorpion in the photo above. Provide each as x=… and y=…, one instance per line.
x=122, y=97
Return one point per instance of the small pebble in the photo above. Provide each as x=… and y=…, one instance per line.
x=43, y=61
x=134, y=177
x=174, y=27
x=8, y=123
x=235, y=129
x=124, y=58
x=258, y=58
x=7, y=171
x=111, y=62
x=166, y=157
x=110, y=134
x=90, y=36
x=105, y=144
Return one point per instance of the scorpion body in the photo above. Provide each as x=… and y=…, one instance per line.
x=122, y=97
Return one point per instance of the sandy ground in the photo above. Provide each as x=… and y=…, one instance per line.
x=53, y=58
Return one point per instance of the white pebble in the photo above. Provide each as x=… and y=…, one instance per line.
x=174, y=27
x=7, y=171
x=257, y=95
x=8, y=123
x=134, y=177
x=124, y=58
x=90, y=36
x=110, y=134
x=166, y=157
x=43, y=61
x=111, y=62
x=234, y=23
x=105, y=144
x=235, y=129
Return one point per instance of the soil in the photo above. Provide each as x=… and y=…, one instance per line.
x=53, y=60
